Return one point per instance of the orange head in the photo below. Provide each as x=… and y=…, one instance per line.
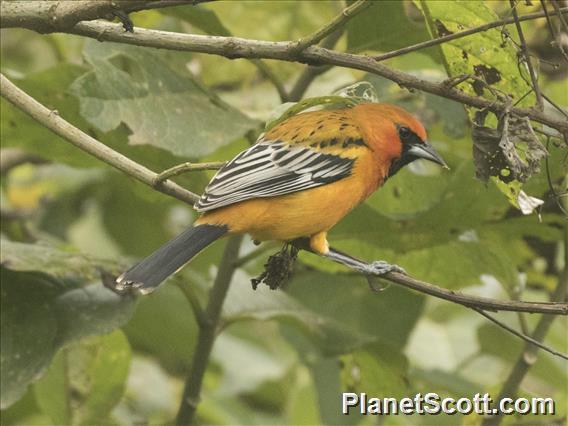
x=397, y=137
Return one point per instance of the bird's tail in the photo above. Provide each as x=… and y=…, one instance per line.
x=147, y=275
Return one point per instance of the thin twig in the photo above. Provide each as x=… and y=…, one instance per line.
x=187, y=167
x=338, y=22
x=311, y=72
x=555, y=34
x=83, y=141
x=207, y=333
x=526, y=58
x=521, y=335
x=465, y=33
x=529, y=354
x=265, y=70
x=233, y=47
x=555, y=106
x=557, y=9
x=189, y=293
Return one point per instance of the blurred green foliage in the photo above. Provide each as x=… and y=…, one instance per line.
x=283, y=357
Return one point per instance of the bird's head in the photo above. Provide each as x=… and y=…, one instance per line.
x=397, y=135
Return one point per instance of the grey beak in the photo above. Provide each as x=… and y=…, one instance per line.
x=427, y=152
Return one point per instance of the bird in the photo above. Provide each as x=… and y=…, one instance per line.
x=297, y=181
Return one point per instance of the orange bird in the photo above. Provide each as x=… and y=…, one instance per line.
x=297, y=181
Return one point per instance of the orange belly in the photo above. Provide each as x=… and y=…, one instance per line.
x=300, y=214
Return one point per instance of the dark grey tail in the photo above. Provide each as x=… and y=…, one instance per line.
x=145, y=276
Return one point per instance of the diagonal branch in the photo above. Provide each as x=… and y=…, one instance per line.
x=520, y=335
x=52, y=120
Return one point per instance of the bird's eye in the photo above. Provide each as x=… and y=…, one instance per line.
x=405, y=133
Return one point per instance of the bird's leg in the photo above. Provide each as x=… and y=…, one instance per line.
x=371, y=270
x=378, y=267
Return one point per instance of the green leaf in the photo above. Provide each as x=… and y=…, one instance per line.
x=200, y=17
x=388, y=316
x=384, y=26
x=164, y=326
x=161, y=106
x=48, y=87
x=51, y=88
x=85, y=381
x=376, y=370
x=494, y=64
x=49, y=298
x=328, y=334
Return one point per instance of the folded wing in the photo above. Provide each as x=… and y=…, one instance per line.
x=270, y=169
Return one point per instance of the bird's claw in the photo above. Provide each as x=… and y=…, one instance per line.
x=380, y=267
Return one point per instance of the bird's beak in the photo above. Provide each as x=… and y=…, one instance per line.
x=427, y=152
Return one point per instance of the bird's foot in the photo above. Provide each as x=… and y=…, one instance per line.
x=380, y=267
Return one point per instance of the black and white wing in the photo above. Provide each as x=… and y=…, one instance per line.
x=269, y=169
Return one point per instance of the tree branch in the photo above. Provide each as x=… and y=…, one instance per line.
x=554, y=308
x=52, y=120
x=54, y=16
x=234, y=47
x=207, y=332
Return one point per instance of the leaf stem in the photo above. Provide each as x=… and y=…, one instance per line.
x=186, y=167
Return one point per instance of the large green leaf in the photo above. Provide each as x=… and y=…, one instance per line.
x=51, y=88
x=493, y=60
x=85, y=380
x=384, y=26
x=326, y=332
x=162, y=106
x=49, y=298
x=388, y=316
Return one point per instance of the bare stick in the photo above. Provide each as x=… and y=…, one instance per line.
x=521, y=335
x=526, y=58
x=83, y=141
x=187, y=167
x=338, y=22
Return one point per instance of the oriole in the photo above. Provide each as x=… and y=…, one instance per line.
x=298, y=180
